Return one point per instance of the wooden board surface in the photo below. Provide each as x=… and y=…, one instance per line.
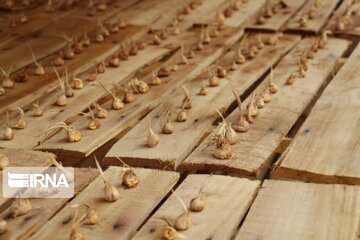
x=278, y=19
x=294, y=210
x=120, y=218
x=91, y=56
x=252, y=152
x=91, y=92
x=324, y=11
x=227, y=199
x=115, y=123
x=335, y=22
x=173, y=148
x=22, y=227
x=326, y=148
x=23, y=158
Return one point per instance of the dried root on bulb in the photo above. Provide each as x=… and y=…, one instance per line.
x=117, y=103
x=111, y=193
x=72, y=134
x=39, y=71
x=20, y=121
x=94, y=123
x=168, y=127
x=61, y=100
x=7, y=82
x=152, y=139
x=186, y=103
x=100, y=112
x=241, y=124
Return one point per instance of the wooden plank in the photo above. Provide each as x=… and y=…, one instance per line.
x=326, y=149
x=335, y=24
x=91, y=56
x=219, y=194
x=36, y=127
x=255, y=147
x=23, y=158
x=40, y=37
x=295, y=210
x=115, y=123
x=120, y=218
x=173, y=148
x=43, y=209
x=277, y=19
x=313, y=25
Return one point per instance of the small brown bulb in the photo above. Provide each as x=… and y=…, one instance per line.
x=242, y=125
x=240, y=59
x=181, y=116
x=155, y=80
x=3, y=226
x=203, y=90
x=266, y=95
x=223, y=149
x=37, y=112
x=8, y=133
x=94, y=124
x=129, y=96
x=4, y=161
x=73, y=135
x=259, y=102
x=20, y=206
x=117, y=104
x=101, y=67
x=197, y=204
x=310, y=54
x=232, y=66
x=134, y=50
x=152, y=139
x=291, y=79
x=252, y=107
x=114, y=61
x=59, y=61
x=99, y=38
x=168, y=128
x=183, y=222
x=303, y=22
x=111, y=193
x=230, y=135
x=91, y=217
x=61, y=100
x=157, y=40
x=101, y=112
x=68, y=53
x=130, y=179
x=2, y=90
x=169, y=233
x=214, y=81
x=220, y=18
x=92, y=77
x=186, y=103
x=228, y=12
x=221, y=72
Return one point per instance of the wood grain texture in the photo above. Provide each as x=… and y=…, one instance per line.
x=174, y=148
x=279, y=19
x=118, y=121
x=23, y=158
x=29, y=137
x=120, y=218
x=294, y=210
x=24, y=94
x=226, y=198
x=326, y=149
x=350, y=30
x=313, y=25
x=252, y=152
x=43, y=209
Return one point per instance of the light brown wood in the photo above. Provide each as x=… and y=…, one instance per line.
x=120, y=218
x=25, y=93
x=43, y=209
x=277, y=20
x=294, y=210
x=23, y=158
x=173, y=148
x=313, y=25
x=326, y=149
x=226, y=198
x=352, y=29
x=29, y=137
x=118, y=121
x=251, y=154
